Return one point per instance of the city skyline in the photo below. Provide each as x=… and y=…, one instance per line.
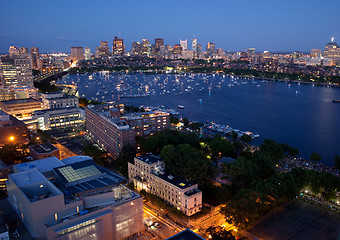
x=232, y=26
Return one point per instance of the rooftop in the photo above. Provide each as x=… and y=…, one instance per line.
x=177, y=181
x=149, y=158
x=43, y=148
x=75, y=159
x=17, y=101
x=86, y=175
x=42, y=165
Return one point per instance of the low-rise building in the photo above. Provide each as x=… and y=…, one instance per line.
x=59, y=118
x=12, y=130
x=21, y=107
x=44, y=150
x=111, y=131
x=74, y=199
x=148, y=173
x=58, y=100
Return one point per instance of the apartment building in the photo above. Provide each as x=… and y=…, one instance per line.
x=148, y=173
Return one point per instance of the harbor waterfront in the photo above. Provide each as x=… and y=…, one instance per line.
x=301, y=115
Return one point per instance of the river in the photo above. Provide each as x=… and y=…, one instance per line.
x=302, y=115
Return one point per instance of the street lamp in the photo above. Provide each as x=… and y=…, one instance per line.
x=11, y=138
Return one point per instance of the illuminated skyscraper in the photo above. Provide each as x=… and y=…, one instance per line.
x=23, y=50
x=35, y=55
x=199, y=48
x=315, y=53
x=16, y=72
x=118, y=46
x=87, y=53
x=104, y=50
x=136, y=48
x=77, y=53
x=13, y=51
x=210, y=48
x=332, y=50
x=184, y=44
x=158, y=43
x=146, y=47
x=177, y=49
x=194, y=45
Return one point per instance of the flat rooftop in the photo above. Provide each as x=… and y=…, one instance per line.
x=75, y=159
x=18, y=101
x=176, y=180
x=149, y=158
x=44, y=148
x=42, y=165
x=85, y=176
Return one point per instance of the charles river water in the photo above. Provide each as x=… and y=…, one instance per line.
x=301, y=115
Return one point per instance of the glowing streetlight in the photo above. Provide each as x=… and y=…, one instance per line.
x=11, y=138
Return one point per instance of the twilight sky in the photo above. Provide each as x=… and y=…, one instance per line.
x=274, y=25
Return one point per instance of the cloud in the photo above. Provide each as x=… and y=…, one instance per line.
x=63, y=38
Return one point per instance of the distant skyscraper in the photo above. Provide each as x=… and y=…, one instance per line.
x=13, y=51
x=177, y=49
x=77, y=53
x=16, y=71
x=146, y=47
x=118, y=46
x=251, y=51
x=35, y=55
x=158, y=43
x=184, y=44
x=210, y=48
x=23, y=50
x=104, y=50
x=315, y=53
x=332, y=50
x=136, y=48
x=199, y=48
x=87, y=53
x=194, y=45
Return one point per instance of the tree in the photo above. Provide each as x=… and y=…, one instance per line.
x=185, y=122
x=98, y=155
x=218, y=233
x=126, y=155
x=246, y=138
x=336, y=162
x=315, y=157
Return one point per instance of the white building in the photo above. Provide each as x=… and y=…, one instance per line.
x=58, y=100
x=147, y=173
x=74, y=199
x=184, y=44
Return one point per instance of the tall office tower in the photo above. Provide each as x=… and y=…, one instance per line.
x=177, y=49
x=136, y=48
x=13, y=51
x=194, y=45
x=158, y=43
x=104, y=50
x=315, y=53
x=210, y=48
x=251, y=51
x=23, y=50
x=87, y=53
x=35, y=55
x=199, y=48
x=184, y=44
x=220, y=52
x=146, y=47
x=16, y=72
x=118, y=46
x=77, y=53
x=332, y=50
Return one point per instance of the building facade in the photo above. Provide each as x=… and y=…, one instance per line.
x=21, y=107
x=16, y=71
x=148, y=173
x=118, y=46
x=74, y=199
x=44, y=150
x=58, y=100
x=77, y=53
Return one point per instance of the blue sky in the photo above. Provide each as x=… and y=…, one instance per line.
x=276, y=25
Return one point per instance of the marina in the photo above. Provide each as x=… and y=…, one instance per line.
x=301, y=115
